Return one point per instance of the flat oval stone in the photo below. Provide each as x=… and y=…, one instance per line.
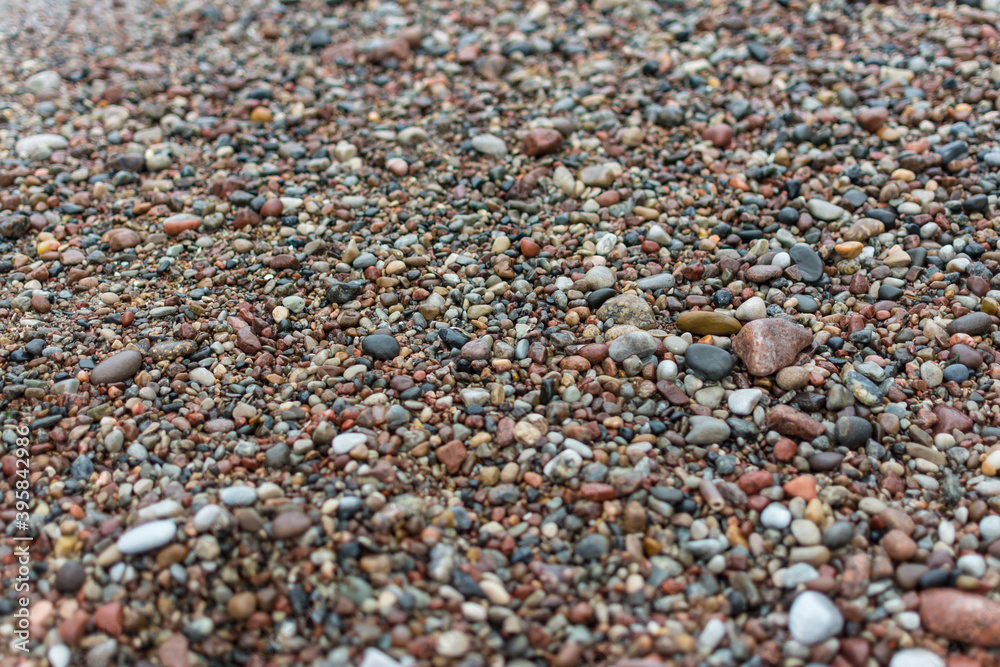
x=809, y=262
x=172, y=349
x=238, y=496
x=147, y=537
x=290, y=524
x=763, y=273
x=709, y=361
x=973, y=324
x=702, y=323
x=863, y=229
x=117, y=368
x=380, y=346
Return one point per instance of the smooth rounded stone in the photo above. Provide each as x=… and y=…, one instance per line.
x=972, y=564
x=805, y=304
x=137, y=452
x=117, y=368
x=853, y=432
x=380, y=346
x=960, y=616
x=798, y=574
x=147, y=537
x=628, y=309
x=480, y=349
x=916, y=657
x=605, y=244
x=542, y=141
x=743, y=401
x=824, y=210
x=172, y=349
x=706, y=431
x=753, y=308
x=202, y=376
x=666, y=370
x=825, y=461
x=43, y=82
x=813, y=618
x=70, y=577
x=599, y=277
x=806, y=532
x=238, y=496
x=808, y=261
x=776, y=517
x=931, y=373
x=489, y=144
x=211, y=517
x=838, y=535
x=288, y=525
x=453, y=644
x=411, y=136
x=219, y=426
x=638, y=343
x=592, y=547
x=762, y=273
x=768, y=345
x=345, y=442
x=59, y=655
x=989, y=529
x=597, y=298
x=600, y=175
x=974, y=324
x=474, y=396
x=720, y=135
x=659, y=281
x=27, y=146
x=956, y=373
x=710, y=361
x=703, y=323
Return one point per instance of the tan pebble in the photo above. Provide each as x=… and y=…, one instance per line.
x=849, y=249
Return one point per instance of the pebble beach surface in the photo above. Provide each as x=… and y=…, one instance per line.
x=465, y=333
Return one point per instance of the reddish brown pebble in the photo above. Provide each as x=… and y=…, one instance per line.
x=785, y=450
x=108, y=618
x=803, y=487
x=40, y=303
x=960, y=616
x=789, y=421
x=452, y=455
x=720, y=135
x=175, y=227
x=271, y=208
x=542, y=142
x=871, y=120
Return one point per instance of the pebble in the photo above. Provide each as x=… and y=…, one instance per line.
x=768, y=345
x=813, y=618
x=710, y=362
x=147, y=537
x=117, y=368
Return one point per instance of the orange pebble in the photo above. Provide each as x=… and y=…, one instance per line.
x=801, y=487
